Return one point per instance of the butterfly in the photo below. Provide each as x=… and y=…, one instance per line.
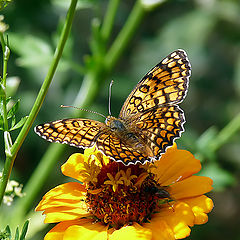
x=150, y=119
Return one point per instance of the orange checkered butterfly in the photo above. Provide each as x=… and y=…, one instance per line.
x=149, y=121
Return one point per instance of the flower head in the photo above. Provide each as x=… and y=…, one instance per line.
x=160, y=200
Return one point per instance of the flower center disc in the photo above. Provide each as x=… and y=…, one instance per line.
x=125, y=198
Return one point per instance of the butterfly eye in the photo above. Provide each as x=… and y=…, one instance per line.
x=117, y=125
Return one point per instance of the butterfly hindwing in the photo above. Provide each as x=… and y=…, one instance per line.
x=160, y=127
x=120, y=151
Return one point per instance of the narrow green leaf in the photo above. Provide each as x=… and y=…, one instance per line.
x=1, y=123
x=24, y=230
x=8, y=230
x=1, y=106
x=19, y=124
x=13, y=121
x=17, y=234
x=8, y=99
x=13, y=110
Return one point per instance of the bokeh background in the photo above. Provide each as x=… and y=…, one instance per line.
x=208, y=30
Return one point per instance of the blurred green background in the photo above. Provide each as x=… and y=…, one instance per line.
x=208, y=30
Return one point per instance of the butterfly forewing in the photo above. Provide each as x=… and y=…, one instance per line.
x=76, y=132
x=165, y=84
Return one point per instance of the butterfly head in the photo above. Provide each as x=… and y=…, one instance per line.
x=115, y=124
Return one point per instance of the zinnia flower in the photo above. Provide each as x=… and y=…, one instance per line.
x=155, y=201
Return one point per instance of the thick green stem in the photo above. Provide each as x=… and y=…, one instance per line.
x=6, y=54
x=126, y=34
x=42, y=93
x=109, y=19
x=7, y=138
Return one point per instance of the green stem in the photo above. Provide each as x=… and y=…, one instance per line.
x=7, y=138
x=109, y=19
x=126, y=34
x=6, y=53
x=42, y=93
x=226, y=133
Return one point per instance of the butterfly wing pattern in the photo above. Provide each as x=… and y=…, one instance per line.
x=149, y=121
x=75, y=132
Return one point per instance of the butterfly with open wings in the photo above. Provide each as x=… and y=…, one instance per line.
x=149, y=121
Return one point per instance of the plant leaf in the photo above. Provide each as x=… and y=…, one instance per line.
x=17, y=234
x=24, y=230
x=19, y=124
x=7, y=229
x=13, y=121
x=13, y=110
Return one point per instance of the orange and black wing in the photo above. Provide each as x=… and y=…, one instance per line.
x=165, y=84
x=120, y=151
x=81, y=133
x=160, y=127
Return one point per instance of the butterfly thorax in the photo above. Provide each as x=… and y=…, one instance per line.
x=127, y=135
x=120, y=129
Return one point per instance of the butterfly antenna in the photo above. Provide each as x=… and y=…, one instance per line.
x=86, y=110
x=109, y=98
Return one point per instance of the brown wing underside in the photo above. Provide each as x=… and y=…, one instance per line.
x=165, y=84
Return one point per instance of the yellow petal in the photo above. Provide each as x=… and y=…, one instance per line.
x=175, y=165
x=200, y=206
x=54, y=215
x=64, y=202
x=160, y=230
x=191, y=187
x=86, y=231
x=73, y=166
x=75, y=189
x=178, y=218
x=57, y=232
x=71, y=191
x=134, y=232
